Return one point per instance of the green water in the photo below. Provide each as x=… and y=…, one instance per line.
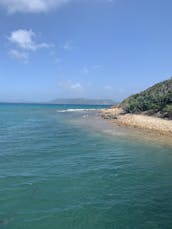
x=57, y=172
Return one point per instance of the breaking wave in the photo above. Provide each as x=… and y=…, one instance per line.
x=77, y=110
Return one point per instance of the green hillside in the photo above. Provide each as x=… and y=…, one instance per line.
x=156, y=100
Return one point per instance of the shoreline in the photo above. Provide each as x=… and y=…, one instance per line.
x=138, y=121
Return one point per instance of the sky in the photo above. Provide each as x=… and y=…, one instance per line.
x=105, y=49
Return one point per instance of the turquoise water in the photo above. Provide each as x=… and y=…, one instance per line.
x=59, y=172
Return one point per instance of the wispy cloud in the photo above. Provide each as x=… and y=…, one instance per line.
x=67, y=46
x=90, y=69
x=35, y=6
x=57, y=60
x=31, y=6
x=96, y=67
x=19, y=55
x=85, y=70
x=108, y=88
x=24, y=42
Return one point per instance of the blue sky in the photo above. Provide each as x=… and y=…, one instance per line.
x=83, y=48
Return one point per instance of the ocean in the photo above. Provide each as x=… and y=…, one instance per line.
x=63, y=167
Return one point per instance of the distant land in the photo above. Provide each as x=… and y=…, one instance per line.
x=83, y=101
x=69, y=101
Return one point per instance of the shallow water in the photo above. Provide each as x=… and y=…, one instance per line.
x=67, y=170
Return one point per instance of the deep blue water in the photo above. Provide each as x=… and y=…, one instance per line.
x=59, y=172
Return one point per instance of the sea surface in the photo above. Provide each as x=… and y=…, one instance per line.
x=63, y=167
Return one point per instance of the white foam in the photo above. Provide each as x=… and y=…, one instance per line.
x=76, y=110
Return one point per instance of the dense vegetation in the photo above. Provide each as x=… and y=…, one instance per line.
x=156, y=100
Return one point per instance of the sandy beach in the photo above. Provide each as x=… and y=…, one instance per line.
x=139, y=121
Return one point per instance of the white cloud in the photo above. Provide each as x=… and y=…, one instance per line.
x=68, y=85
x=25, y=39
x=76, y=86
x=23, y=42
x=31, y=6
x=19, y=55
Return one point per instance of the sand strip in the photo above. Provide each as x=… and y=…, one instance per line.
x=154, y=124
